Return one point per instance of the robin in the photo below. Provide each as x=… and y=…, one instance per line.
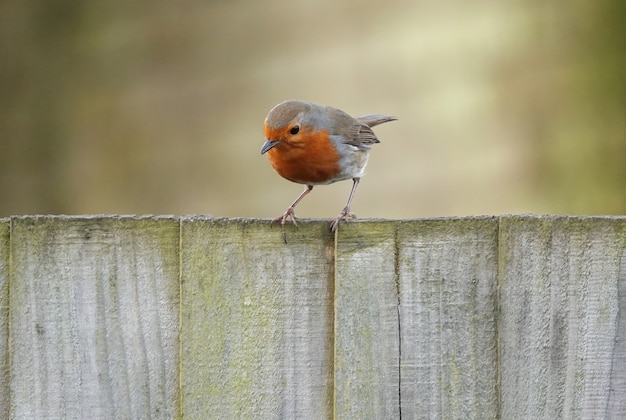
x=314, y=144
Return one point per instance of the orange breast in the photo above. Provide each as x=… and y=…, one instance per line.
x=309, y=158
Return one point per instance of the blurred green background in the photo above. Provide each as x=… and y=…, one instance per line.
x=157, y=107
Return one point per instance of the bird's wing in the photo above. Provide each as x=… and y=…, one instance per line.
x=361, y=132
x=356, y=131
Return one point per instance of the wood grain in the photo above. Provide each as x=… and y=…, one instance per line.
x=448, y=300
x=257, y=320
x=366, y=322
x=562, y=317
x=94, y=317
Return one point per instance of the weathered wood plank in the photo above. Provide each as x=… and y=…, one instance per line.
x=562, y=317
x=5, y=374
x=415, y=319
x=256, y=320
x=94, y=317
x=448, y=270
x=367, y=356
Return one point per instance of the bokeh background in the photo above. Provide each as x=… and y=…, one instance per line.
x=157, y=107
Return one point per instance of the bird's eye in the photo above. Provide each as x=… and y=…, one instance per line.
x=295, y=129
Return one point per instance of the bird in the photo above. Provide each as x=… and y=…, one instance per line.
x=313, y=144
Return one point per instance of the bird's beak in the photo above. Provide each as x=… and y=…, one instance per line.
x=269, y=144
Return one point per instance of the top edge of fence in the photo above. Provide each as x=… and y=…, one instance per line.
x=205, y=217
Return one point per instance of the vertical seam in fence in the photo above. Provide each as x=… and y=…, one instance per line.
x=333, y=329
x=497, y=314
x=398, y=297
x=180, y=318
x=10, y=316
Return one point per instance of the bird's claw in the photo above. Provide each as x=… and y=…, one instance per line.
x=291, y=214
x=288, y=214
x=344, y=215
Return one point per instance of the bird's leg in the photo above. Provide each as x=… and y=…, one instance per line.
x=290, y=212
x=345, y=213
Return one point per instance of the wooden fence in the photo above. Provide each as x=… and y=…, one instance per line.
x=168, y=317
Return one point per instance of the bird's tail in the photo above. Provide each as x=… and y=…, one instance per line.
x=372, y=120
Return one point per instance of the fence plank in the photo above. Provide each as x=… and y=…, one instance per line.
x=562, y=317
x=257, y=320
x=94, y=317
x=415, y=319
x=5, y=374
x=448, y=270
x=367, y=382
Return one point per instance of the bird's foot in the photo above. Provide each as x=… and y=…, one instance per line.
x=288, y=214
x=344, y=215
